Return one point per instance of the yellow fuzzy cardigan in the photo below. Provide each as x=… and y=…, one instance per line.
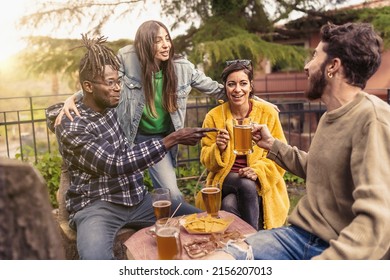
x=272, y=187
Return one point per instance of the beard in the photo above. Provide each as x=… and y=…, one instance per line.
x=317, y=84
x=104, y=102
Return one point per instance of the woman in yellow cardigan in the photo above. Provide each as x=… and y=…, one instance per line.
x=252, y=185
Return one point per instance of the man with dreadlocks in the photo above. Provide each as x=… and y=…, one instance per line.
x=106, y=190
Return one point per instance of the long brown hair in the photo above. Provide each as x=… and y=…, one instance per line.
x=144, y=44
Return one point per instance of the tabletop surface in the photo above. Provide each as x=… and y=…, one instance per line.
x=142, y=246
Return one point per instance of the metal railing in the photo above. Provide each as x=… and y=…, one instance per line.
x=24, y=133
x=23, y=129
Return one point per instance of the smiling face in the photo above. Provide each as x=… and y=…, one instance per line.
x=162, y=44
x=315, y=71
x=238, y=87
x=100, y=95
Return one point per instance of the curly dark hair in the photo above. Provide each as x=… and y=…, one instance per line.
x=357, y=46
x=96, y=57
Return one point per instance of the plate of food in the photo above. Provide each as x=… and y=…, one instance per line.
x=195, y=224
x=200, y=247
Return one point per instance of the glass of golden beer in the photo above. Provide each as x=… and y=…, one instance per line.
x=168, y=239
x=161, y=199
x=211, y=195
x=242, y=134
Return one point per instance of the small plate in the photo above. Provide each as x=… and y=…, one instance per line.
x=228, y=222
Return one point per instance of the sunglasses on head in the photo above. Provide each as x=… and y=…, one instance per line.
x=245, y=62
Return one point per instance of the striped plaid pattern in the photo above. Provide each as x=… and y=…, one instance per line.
x=100, y=160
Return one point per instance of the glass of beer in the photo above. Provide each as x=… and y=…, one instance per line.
x=242, y=134
x=211, y=195
x=161, y=199
x=168, y=239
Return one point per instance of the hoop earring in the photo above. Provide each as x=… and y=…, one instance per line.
x=330, y=75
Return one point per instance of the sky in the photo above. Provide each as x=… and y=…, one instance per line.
x=11, y=37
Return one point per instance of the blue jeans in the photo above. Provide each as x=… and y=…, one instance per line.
x=98, y=223
x=284, y=243
x=163, y=173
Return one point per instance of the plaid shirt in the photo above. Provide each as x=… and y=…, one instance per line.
x=101, y=163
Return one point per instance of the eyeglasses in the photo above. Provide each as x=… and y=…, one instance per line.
x=110, y=83
x=245, y=62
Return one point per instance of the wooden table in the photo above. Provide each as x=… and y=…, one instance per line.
x=142, y=246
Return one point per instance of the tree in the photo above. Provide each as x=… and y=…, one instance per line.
x=46, y=55
x=227, y=29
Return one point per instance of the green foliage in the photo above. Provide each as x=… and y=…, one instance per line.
x=294, y=199
x=295, y=187
x=228, y=29
x=216, y=29
x=249, y=46
x=49, y=55
x=293, y=179
x=25, y=153
x=49, y=165
x=380, y=18
x=148, y=181
x=190, y=175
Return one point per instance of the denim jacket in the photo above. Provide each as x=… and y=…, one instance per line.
x=132, y=101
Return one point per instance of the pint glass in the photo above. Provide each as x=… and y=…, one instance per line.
x=242, y=136
x=211, y=195
x=161, y=199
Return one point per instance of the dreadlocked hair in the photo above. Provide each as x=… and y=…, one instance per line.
x=96, y=57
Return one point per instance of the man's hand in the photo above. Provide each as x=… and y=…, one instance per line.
x=262, y=137
x=186, y=136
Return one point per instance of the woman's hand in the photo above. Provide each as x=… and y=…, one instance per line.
x=247, y=172
x=222, y=140
x=69, y=105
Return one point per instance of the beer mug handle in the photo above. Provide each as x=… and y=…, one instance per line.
x=151, y=231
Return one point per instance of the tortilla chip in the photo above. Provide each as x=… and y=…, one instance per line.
x=205, y=224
